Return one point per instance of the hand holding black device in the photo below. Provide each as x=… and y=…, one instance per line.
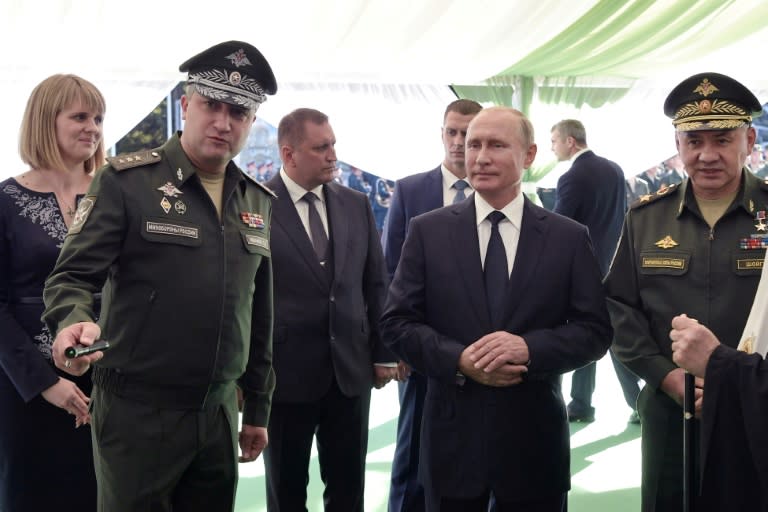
x=82, y=350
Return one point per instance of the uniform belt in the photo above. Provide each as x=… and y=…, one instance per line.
x=132, y=388
x=39, y=300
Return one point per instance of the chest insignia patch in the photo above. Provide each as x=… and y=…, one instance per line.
x=252, y=220
x=180, y=207
x=165, y=204
x=666, y=243
x=179, y=174
x=756, y=241
x=169, y=190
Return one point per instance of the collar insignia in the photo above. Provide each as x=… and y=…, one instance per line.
x=666, y=243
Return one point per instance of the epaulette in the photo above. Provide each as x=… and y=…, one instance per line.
x=259, y=184
x=650, y=198
x=130, y=160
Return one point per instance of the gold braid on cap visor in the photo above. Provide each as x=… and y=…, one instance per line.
x=716, y=114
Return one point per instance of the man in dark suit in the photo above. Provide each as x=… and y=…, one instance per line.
x=414, y=195
x=592, y=192
x=329, y=284
x=493, y=344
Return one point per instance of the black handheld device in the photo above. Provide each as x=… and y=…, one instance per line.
x=82, y=350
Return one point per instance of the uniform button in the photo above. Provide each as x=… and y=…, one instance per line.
x=333, y=298
x=333, y=338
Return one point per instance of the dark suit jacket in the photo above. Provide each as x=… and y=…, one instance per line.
x=323, y=327
x=514, y=440
x=593, y=193
x=413, y=195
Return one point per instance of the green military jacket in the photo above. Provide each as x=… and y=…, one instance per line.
x=187, y=299
x=670, y=262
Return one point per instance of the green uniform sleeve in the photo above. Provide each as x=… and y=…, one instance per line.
x=633, y=341
x=91, y=247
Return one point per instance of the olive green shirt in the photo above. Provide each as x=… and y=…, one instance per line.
x=187, y=299
x=669, y=261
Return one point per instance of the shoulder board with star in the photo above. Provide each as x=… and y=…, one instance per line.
x=650, y=198
x=260, y=185
x=131, y=160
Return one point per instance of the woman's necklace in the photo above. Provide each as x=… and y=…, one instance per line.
x=70, y=209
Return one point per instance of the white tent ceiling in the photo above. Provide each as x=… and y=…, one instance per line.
x=379, y=68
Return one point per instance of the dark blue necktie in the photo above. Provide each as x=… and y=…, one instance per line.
x=459, y=186
x=316, y=229
x=496, y=271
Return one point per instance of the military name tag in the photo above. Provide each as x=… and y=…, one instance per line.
x=749, y=264
x=651, y=262
x=163, y=228
x=257, y=241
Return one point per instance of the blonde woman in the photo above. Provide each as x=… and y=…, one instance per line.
x=44, y=455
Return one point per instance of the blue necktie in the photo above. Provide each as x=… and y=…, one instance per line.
x=316, y=229
x=459, y=186
x=496, y=272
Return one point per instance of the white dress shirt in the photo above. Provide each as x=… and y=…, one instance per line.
x=509, y=228
x=297, y=192
x=449, y=193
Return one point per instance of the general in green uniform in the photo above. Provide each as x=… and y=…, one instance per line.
x=687, y=249
x=179, y=238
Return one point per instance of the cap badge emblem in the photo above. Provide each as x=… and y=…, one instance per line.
x=235, y=78
x=239, y=58
x=706, y=88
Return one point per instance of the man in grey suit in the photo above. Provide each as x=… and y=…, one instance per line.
x=329, y=285
x=414, y=195
x=493, y=299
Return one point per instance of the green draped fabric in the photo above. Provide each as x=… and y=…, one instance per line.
x=595, y=45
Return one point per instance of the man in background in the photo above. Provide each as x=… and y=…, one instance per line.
x=446, y=184
x=591, y=192
x=330, y=285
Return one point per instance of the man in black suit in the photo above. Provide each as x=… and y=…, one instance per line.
x=414, y=195
x=329, y=284
x=592, y=192
x=493, y=299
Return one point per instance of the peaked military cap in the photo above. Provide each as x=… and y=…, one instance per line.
x=711, y=101
x=233, y=72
